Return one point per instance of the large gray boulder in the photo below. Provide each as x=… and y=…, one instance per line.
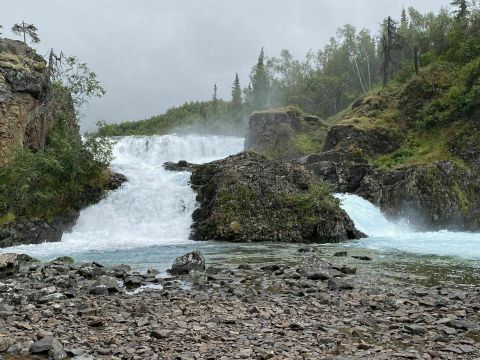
x=249, y=198
x=183, y=265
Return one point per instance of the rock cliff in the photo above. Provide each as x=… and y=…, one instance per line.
x=247, y=198
x=23, y=87
x=284, y=134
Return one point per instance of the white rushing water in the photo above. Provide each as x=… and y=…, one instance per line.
x=153, y=208
x=385, y=235
x=151, y=213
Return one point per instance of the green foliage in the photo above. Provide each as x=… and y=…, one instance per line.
x=200, y=117
x=43, y=185
x=25, y=30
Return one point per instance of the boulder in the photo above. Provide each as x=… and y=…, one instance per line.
x=183, y=265
x=49, y=345
x=315, y=268
x=249, y=198
x=9, y=265
x=284, y=133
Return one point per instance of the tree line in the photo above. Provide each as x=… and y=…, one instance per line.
x=356, y=61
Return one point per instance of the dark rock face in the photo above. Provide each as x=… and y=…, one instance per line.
x=26, y=231
x=8, y=265
x=182, y=165
x=183, y=265
x=282, y=134
x=247, y=198
x=430, y=196
x=377, y=140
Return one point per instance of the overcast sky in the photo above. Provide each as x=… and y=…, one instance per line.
x=153, y=54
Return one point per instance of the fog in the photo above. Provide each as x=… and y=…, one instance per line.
x=153, y=54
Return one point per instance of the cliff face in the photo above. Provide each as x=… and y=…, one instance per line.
x=23, y=87
x=284, y=134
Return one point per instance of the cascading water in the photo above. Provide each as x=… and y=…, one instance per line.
x=385, y=235
x=153, y=208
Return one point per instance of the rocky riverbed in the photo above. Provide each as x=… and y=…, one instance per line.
x=314, y=309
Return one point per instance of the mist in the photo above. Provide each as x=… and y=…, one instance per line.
x=151, y=55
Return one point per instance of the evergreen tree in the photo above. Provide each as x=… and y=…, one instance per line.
x=1, y=27
x=260, y=83
x=390, y=43
x=236, y=95
x=215, y=98
x=29, y=30
x=462, y=8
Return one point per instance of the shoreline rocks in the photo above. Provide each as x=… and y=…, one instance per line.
x=261, y=311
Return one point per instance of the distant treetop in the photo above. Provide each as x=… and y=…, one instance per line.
x=29, y=30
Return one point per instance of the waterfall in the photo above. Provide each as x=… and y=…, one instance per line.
x=385, y=235
x=153, y=208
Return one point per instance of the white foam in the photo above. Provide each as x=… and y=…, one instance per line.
x=153, y=208
x=387, y=235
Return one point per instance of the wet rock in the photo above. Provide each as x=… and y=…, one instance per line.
x=362, y=258
x=133, y=281
x=49, y=345
x=338, y=284
x=64, y=259
x=340, y=254
x=182, y=165
x=232, y=194
x=415, y=329
x=8, y=265
x=183, y=265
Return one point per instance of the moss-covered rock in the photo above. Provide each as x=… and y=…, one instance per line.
x=247, y=198
x=284, y=134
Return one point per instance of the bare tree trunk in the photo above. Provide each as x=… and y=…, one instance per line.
x=368, y=70
x=386, y=59
x=359, y=75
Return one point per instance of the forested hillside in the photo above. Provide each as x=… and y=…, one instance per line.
x=327, y=81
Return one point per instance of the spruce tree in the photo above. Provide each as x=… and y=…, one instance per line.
x=24, y=29
x=391, y=41
x=462, y=8
x=215, y=98
x=236, y=95
x=260, y=82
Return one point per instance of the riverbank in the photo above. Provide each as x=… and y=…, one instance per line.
x=306, y=309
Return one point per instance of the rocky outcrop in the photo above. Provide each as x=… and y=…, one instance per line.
x=284, y=134
x=439, y=195
x=31, y=231
x=23, y=87
x=247, y=198
x=376, y=140
x=183, y=265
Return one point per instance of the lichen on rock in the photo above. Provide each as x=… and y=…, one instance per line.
x=249, y=198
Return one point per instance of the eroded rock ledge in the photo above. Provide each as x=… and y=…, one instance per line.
x=27, y=231
x=248, y=198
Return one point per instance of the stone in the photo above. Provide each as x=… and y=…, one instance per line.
x=362, y=258
x=415, y=329
x=46, y=344
x=340, y=254
x=133, y=281
x=337, y=284
x=183, y=265
x=8, y=265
